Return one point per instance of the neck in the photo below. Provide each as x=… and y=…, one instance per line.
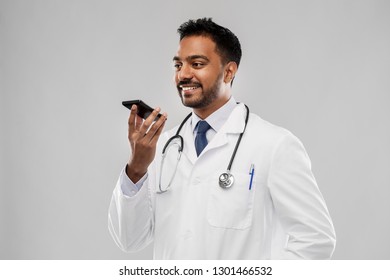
x=204, y=112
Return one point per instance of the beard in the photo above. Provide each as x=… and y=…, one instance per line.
x=206, y=97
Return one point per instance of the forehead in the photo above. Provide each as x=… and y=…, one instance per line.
x=196, y=45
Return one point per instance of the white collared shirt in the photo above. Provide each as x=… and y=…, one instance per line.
x=216, y=120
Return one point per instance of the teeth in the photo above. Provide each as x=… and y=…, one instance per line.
x=188, y=88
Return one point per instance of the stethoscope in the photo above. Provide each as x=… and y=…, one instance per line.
x=226, y=179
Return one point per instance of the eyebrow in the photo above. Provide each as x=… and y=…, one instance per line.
x=192, y=57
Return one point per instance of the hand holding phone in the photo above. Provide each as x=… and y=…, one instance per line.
x=143, y=110
x=143, y=137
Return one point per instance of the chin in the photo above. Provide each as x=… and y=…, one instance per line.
x=190, y=101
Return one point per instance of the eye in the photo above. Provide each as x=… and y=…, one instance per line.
x=177, y=66
x=198, y=64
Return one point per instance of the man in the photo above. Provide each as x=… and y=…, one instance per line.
x=273, y=210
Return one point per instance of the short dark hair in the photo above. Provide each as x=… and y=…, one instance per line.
x=228, y=45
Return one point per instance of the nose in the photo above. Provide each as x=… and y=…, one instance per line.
x=185, y=73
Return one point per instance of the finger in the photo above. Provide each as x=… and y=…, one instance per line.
x=138, y=123
x=133, y=114
x=159, y=130
x=149, y=121
x=152, y=131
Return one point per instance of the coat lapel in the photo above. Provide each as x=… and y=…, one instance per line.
x=234, y=125
x=189, y=146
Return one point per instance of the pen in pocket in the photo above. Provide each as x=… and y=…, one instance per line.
x=251, y=173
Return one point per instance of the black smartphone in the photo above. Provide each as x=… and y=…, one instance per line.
x=143, y=111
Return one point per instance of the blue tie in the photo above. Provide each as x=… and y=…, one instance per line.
x=200, y=139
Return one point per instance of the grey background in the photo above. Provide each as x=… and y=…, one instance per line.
x=319, y=68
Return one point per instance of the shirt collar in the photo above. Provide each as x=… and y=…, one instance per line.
x=217, y=119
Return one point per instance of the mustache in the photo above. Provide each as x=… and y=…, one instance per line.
x=189, y=82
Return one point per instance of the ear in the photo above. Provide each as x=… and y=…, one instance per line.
x=230, y=71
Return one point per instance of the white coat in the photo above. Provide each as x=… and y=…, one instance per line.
x=282, y=216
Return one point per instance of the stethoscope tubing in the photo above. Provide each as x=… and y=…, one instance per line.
x=239, y=140
x=229, y=177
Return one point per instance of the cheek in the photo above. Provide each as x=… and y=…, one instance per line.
x=212, y=74
x=203, y=77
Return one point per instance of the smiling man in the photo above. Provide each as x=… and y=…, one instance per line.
x=202, y=77
x=224, y=184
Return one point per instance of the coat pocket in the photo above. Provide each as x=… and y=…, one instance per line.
x=232, y=208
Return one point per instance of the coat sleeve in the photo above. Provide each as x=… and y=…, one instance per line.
x=131, y=219
x=299, y=205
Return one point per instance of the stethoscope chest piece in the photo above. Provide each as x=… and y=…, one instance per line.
x=226, y=180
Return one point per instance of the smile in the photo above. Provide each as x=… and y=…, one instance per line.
x=188, y=88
